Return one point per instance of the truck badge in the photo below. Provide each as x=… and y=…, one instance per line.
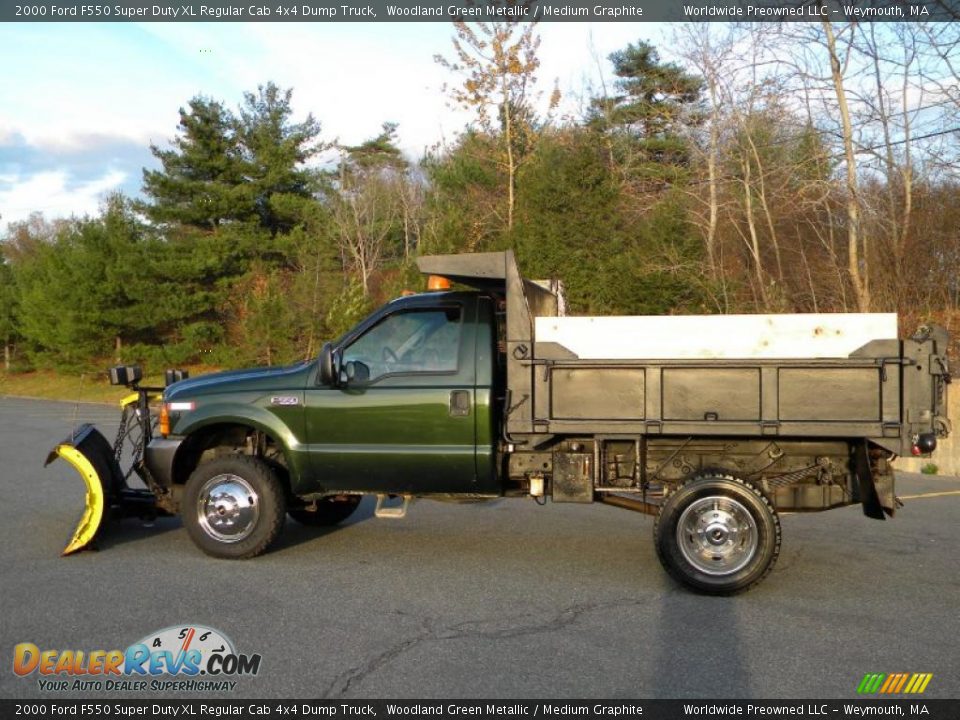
x=285, y=400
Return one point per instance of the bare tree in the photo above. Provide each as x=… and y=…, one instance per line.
x=366, y=214
x=856, y=261
x=709, y=55
x=498, y=62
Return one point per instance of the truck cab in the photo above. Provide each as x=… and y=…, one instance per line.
x=404, y=404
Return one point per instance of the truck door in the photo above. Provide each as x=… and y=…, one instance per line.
x=406, y=422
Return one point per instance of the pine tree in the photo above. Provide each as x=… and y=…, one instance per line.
x=642, y=121
x=79, y=293
x=201, y=182
x=225, y=202
x=275, y=152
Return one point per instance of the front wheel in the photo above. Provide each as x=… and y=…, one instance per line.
x=717, y=534
x=233, y=507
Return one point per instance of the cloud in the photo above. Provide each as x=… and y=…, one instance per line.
x=99, y=78
x=82, y=155
x=58, y=193
x=69, y=176
x=86, y=102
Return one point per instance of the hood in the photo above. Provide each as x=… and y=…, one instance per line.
x=265, y=378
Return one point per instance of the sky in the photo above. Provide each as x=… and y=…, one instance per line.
x=80, y=104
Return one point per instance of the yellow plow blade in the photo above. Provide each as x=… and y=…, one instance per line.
x=92, y=516
x=108, y=497
x=89, y=453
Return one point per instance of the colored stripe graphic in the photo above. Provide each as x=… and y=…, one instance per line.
x=894, y=683
x=918, y=683
x=903, y=680
x=870, y=683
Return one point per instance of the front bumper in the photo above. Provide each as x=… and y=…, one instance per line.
x=159, y=457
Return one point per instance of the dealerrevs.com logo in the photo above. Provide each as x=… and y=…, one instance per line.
x=199, y=657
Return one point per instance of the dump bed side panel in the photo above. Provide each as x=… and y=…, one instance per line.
x=836, y=394
x=825, y=398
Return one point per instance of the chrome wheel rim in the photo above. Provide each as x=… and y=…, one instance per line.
x=228, y=508
x=717, y=535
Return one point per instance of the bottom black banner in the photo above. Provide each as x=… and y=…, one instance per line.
x=485, y=709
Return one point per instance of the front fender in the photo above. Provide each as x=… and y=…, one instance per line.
x=280, y=423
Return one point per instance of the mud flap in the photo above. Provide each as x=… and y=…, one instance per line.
x=88, y=451
x=876, y=493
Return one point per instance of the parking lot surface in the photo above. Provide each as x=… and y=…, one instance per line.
x=501, y=599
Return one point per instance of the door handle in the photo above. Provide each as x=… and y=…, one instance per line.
x=459, y=403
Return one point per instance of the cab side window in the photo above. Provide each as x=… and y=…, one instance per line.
x=410, y=341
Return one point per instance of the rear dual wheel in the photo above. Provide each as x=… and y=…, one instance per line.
x=717, y=534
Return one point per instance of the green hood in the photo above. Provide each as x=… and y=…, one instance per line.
x=251, y=379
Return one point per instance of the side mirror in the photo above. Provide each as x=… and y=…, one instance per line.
x=328, y=371
x=355, y=373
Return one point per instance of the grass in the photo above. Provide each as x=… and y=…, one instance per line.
x=89, y=387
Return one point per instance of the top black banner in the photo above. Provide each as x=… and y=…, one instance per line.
x=306, y=11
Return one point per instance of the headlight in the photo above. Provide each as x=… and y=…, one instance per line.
x=166, y=409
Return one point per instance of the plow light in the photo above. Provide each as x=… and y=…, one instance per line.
x=172, y=376
x=125, y=375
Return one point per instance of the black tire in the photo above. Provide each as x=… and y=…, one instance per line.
x=717, y=534
x=233, y=507
x=330, y=511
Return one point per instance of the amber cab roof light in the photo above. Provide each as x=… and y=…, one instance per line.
x=437, y=282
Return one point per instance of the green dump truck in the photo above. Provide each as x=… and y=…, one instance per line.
x=712, y=424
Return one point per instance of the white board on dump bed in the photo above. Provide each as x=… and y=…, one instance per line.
x=676, y=337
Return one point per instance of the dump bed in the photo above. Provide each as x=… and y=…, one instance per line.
x=877, y=393
x=800, y=376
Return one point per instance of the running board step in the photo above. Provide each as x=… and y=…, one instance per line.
x=392, y=511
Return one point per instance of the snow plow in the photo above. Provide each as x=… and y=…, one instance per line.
x=101, y=465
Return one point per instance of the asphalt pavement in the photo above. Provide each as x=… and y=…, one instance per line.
x=502, y=599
